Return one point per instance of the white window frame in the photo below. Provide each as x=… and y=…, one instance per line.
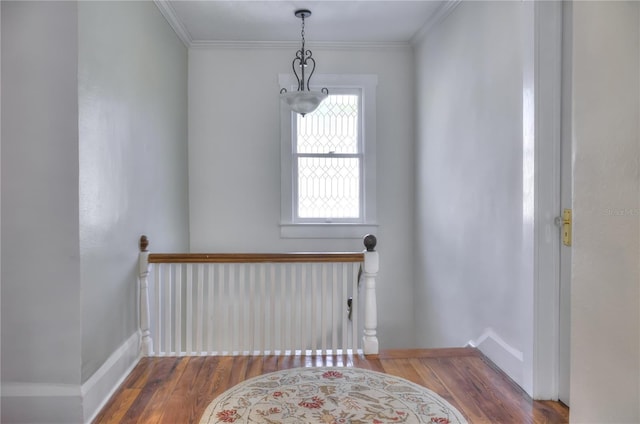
x=290, y=227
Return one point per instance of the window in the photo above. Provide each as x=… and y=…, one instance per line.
x=328, y=161
x=327, y=158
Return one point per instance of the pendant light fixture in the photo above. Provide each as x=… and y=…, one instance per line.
x=303, y=100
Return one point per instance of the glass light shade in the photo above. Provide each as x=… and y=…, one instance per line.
x=303, y=102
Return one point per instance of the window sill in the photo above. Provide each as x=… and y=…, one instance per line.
x=327, y=231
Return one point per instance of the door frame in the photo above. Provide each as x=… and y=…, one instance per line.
x=566, y=200
x=542, y=125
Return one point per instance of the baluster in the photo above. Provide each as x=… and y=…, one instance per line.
x=314, y=308
x=143, y=274
x=158, y=307
x=323, y=308
x=346, y=322
x=164, y=320
x=335, y=312
x=355, y=308
x=189, y=348
x=252, y=308
x=371, y=265
x=210, y=307
x=223, y=316
x=303, y=311
x=285, y=312
x=165, y=278
x=177, y=343
x=272, y=319
x=292, y=336
x=225, y=293
x=199, y=310
x=242, y=312
x=260, y=326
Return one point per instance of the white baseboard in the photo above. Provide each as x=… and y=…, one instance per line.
x=39, y=403
x=97, y=390
x=506, y=357
x=42, y=403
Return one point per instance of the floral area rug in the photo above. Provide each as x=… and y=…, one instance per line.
x=330, y=396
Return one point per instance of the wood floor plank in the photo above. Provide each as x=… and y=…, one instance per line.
x=419, y=373
x=370, y=363
x=532, y=411
x=463, y=391
x=159, y=373
x=431, y=381
x=496, y=400
x=522, y=406
x=114, y=412
x=401, y=368
x=213, y=384
x=319, y=360
x=339, y=360
x=254, y=367
x=219, y=382
x=153, y=411
x=548, y=412
x=238, y=371
x=270, y=364
x=206, y=388
x=180, y=381
x=140, y=374
x=181, y=405
x=287, y=362
x=334, y=360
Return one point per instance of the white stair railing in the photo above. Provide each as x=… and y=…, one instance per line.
x=248, y=304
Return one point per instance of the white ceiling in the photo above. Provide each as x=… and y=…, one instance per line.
x=361, y=21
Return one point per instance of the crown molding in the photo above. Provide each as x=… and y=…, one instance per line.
x=169, y=14
x=440, y=15
x=318, y=45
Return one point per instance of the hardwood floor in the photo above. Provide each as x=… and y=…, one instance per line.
x=177, y=390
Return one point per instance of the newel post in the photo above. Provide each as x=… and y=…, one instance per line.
x=370, y=270
x=143, y=280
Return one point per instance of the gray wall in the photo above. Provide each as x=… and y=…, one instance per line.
x=133, y=161
x=469, y=184
x=94, y=133
x=40, y=250
x=39, y=190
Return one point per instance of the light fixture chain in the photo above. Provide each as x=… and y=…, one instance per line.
x=303, y=57
x=302, y=32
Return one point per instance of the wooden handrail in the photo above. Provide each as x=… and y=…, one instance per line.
x=315, y=257
x=297, y=257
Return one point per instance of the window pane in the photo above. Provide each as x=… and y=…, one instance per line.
x=328, y=187
x=333, y=127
